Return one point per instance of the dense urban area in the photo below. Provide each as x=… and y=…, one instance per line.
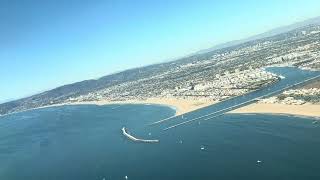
x=212, y=76
x=307, y=94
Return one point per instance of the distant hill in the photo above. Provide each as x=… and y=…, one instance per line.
x=63, y=93
x=273, y=32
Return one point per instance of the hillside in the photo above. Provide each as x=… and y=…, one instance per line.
x=180, y=78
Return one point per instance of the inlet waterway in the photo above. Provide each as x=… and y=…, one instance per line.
x=294, y=77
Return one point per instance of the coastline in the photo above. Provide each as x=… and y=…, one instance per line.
x=307, y=110
x=181, y=106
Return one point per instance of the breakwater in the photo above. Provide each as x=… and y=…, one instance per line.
x=129, y=136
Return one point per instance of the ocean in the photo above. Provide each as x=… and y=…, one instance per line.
x=85, y=142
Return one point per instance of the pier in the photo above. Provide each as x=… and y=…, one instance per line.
x=129, y=136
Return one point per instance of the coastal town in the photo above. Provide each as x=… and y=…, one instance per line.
x=159, y=90
x=225, y=74
x=296, y=97
x=207, y=77
x=221, y=87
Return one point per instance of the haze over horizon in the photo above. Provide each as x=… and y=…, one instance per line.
x=48, y=44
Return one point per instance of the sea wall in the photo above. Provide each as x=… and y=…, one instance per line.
x=129, y=136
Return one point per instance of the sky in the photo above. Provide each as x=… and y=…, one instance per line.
x=48, y=43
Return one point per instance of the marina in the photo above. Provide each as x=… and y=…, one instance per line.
x=293, y=78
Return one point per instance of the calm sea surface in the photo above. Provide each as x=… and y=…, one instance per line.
x=85, y=143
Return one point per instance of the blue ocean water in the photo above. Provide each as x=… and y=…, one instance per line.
x=85, y=143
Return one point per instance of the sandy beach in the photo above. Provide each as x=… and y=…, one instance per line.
x=300, y=110
x=181, y=106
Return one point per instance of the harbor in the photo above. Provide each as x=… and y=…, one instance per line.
x=293, y=78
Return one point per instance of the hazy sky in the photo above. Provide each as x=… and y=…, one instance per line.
x=48, y=43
